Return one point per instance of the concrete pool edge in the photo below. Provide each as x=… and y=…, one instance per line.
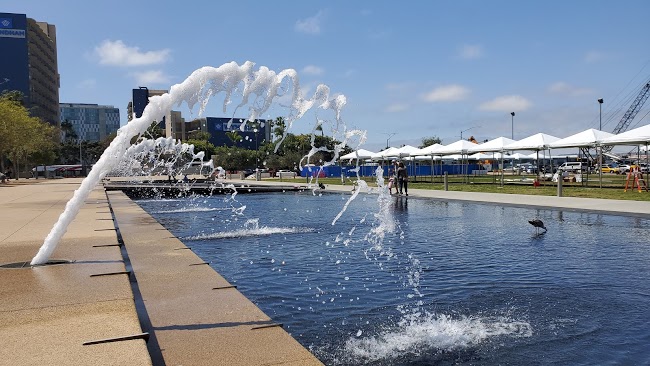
x=194, y=314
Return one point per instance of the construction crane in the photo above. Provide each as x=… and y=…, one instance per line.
x=628, y=117
x=636, y=106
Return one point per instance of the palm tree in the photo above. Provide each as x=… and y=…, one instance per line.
x=279, y=126
x=234, y=136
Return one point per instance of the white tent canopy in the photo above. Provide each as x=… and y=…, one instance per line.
x=429, y=150
x=636, y=136
x=406, y=150
x=391, y=152
x=359, y=154
x=539, y=141
x=458, y=147
x=586, y=138
x=425, y=157
x=484, y=156
x=496, y=144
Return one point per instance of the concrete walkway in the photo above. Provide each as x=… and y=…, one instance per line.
x=614, y=207
x=48, y=313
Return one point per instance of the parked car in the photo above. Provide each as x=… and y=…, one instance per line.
x=609, y=168
x=573, y=166
x=625, y=168
x=527, y=168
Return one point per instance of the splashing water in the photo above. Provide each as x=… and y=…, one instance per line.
x=417, y=335
x=261, y=87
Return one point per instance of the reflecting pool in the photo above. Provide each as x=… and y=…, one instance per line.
x=454, y=283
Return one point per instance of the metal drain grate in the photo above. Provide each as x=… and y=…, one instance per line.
x=18, y=265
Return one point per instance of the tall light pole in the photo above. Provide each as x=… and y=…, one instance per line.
x=461, y=132
x=512, y=125
x=257, y=163
x=600, y=114
x=600, y=155
x=388, y=139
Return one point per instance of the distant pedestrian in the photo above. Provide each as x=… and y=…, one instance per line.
x=402, y=179
x=392, y=177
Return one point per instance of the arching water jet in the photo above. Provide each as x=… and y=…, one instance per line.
x=258, y=89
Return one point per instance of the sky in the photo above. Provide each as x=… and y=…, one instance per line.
x=409, y=70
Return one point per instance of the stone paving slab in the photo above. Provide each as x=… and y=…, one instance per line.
x=48, y=312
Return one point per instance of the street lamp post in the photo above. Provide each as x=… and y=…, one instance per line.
x=461, y=132
x=388, y=139
x=600, y=152
x=257, y=158
x=512, y=125
x=600, y=113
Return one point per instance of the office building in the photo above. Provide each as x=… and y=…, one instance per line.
x=29, y=64
x=91, y=122
x=254, y=133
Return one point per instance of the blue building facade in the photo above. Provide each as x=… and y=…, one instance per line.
x=91, y=122
x=140, y=100
x=14, y=64
x=28, y=64
x=253, y=135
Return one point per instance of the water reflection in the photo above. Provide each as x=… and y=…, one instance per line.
x=454, y=281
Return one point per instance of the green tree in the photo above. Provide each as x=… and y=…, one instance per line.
x=22, y=137
x=68, y=131
x=199, y=135
x=279, y=127
x=234, y=136
x=428, y=141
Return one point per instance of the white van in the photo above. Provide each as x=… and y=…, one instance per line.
x=574, y=166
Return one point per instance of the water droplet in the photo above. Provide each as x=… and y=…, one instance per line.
x=359, y=333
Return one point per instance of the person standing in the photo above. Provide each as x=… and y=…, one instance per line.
x=402, y=179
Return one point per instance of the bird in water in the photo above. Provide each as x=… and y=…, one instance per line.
x=538, y=224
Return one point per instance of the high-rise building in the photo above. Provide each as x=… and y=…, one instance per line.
x=253, y=134
x=139, y=100
x=91, y=122
x=29, y=64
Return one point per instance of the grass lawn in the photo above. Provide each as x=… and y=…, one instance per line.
x=613, y=186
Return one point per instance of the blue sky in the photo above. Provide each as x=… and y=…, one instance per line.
x=413, y=69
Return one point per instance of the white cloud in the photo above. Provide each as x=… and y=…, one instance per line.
x=87, y=84
x=400, y=87
x=349, y=73
x=116, y=53
x=310, y=25
x=312, y=70
x=507, y=103
x=150, y=77
x=470, y=52
x=393, y=108
x=563, y=88
x=447, y=93
x=594, y=56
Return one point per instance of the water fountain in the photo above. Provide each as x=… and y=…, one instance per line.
x=509, y=280
x=258, y=89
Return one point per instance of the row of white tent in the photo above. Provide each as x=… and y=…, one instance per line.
x=590, y=138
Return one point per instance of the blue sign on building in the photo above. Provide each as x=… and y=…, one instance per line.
x=14, y=63
x=6, y=23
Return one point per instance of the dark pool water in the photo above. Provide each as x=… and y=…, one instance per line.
x=451, y=283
